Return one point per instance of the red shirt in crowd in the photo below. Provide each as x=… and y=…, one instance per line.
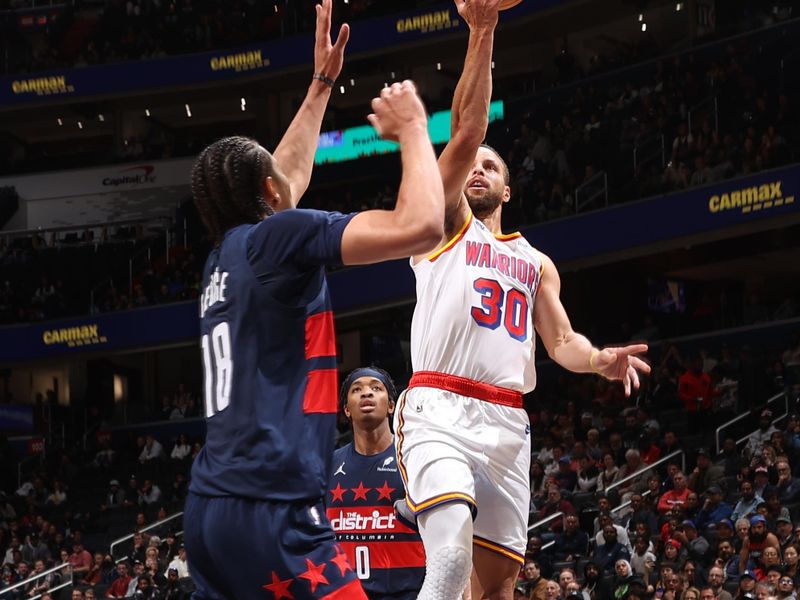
x=695, y=389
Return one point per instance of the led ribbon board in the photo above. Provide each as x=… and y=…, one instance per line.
x=357, y=142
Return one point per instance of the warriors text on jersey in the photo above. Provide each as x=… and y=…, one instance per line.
x=474, y=313
x=269, y=356
x=388, y=556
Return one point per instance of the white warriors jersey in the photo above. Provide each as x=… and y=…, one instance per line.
x=474, y=313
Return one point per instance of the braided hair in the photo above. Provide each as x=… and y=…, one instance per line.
x=228, y=182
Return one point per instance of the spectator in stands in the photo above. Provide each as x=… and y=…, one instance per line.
x=115, y=496
x=716, y=579
x=605, y=519
x=533, y=551
x=565, y=478
x=791, y=558
x=695, y=391
x=640, y=513
x=138, y=572
x=555, y=504
x=696, y=545
x=95, y=574
x=747, y=503
x=606, y=555
x=105, y=456
x=35, y=549
x=727, y=560
x=131, y=493
x=139, y=547
x=43, y=584
x=171, y=590
x=760, y=436
x=587, y=475
x=642, y=559
x=153, y=450
x=714, y=509
x=626, y=581
x=674, y=499
x=633, y=465
x=119, y=587
x=180, y=563
x=754, y=545
x=80, y=560
x=552, y=591
x=150, y=494
x=705, y=474
x=182, y=448
x=572, y=543
x=145, y=589
x=609, y=474
x=788, y=485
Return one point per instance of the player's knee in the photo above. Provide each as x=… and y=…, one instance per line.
x=448, y=525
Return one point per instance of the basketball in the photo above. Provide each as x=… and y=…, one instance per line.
x=506, y=4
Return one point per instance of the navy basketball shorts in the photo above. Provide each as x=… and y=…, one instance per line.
x=240, y=549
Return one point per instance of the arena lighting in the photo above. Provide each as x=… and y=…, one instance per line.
x=492, y=64
x=101, y=118
x=80, y=125
x=679, y=7
x=146, y=112
x=60, y=121
x=391, y=74
x=352, y=83
x=188, y=110
x=641, y=17
x=341, y=89
x=644, y=26
x=438, y=66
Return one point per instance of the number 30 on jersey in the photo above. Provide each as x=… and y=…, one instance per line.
x=499, y=307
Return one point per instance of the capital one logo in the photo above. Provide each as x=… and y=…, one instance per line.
x=132, y=176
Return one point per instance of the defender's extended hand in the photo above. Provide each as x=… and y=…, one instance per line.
x=620, y=364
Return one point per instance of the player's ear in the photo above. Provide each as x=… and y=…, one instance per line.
x=346, y=411
x=506, y=194
x=271, y=193
x=391, y=407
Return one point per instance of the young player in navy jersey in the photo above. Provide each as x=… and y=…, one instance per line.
x=387, y=556
x=255, y=522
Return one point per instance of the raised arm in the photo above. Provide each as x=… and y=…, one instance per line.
x=470, y=110
x=415, y=224
x=295, y=152
x=574, y=351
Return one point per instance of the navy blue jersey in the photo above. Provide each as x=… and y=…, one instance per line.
x=269, y=356
x=388, y=556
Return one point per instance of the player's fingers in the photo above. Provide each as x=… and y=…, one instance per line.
x=373, y=120
x=634, y=376
x=626, y=382
x=639, y=364
x=377, y=103
x=320, y=28
x=386, y=92
x=342, y=38
x=409, y=85
x=328, y=9
x=635, y=349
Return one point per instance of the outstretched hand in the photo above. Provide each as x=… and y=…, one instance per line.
x=479, y=14
x=620, y=364
x=328, y=57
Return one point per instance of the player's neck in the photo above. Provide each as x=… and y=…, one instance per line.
x=493, y=222
x=372, y=441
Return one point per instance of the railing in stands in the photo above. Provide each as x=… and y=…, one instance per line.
x=748, y=414
x=64, y=569
x=648, y=151
x=128, y=537
x=659, y=462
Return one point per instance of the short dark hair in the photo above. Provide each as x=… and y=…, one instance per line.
x=506, y=172
x=227, y=184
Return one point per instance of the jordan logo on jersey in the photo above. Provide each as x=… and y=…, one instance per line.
x=385, y=465
x=340, y=470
